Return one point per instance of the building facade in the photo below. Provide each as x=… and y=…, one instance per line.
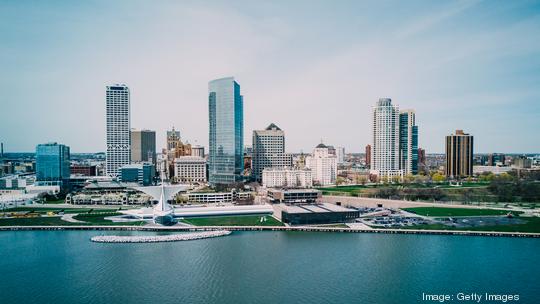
x=408, y=142
x=368, y=156
x=143, y=146
x=190, y=169
x=269, y=150
x=459, y=155
x=385, y=161
x=287, y=178
x=323, y=165
x=52, y=163
x=340, y=154
x=142, y=173
x=197, y=150
x=226, y=131
x=173, y=139
x=118, y=129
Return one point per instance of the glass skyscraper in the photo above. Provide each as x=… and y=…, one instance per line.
x=226, y=118
x=52, y=163
x=408, y=142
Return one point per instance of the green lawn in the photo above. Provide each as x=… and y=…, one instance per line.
x=532, y=225
x=99, y=219
x=88, y=219
x=54, y=209
x=442, y=211
x=37, y=221
x=247, y=220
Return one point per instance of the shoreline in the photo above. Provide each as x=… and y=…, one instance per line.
x=278, y=228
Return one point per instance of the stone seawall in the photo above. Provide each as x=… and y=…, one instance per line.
x=158, y=238
x=275, y=228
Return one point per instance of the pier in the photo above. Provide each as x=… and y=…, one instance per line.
x=276, y=228
x=159, y=238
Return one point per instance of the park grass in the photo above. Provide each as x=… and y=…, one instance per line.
x=92, y=219
x=245, y=220
x=99, y=219
x=531, y=225
x=35, y=221
x=55, y=209
x=443, y=211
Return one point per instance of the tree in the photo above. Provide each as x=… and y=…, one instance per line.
x=437, y=177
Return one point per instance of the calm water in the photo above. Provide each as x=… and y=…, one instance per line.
x=263, y=267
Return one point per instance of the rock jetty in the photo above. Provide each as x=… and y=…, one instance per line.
x=158, y=238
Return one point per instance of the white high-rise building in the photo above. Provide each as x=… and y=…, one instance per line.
x=323, y=165
x=118, y=129
x=287, y=177
x=269, y=150
x=385, y=162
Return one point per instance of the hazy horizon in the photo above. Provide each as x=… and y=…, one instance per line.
x=314, y=68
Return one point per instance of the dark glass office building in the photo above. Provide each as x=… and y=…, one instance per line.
x=459, y=155
x=226, y=118
x=52, y=164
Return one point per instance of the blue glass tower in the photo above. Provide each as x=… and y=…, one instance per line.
x=408, y=142
x=52, y=163
x=226, y=118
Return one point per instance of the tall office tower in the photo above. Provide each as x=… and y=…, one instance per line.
x=408, y=142
x=173, y=139
x=459, y=155
x=368, y=156
x=385, y=149
x=340, y=154
x=118, y=127
x=197, y=150
x=52, y=163
x=143, y=146
x=323, y=165
x=226, y=119
x=269, y=150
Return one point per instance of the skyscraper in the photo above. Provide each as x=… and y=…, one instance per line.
x=143, y=146
x=459, y=155
x=173, y=139
x=52, y=163
x=118, y=127
x=226, y=119
x=408, y=142
x=269, y=150
x=385, y=150
x=323, y=165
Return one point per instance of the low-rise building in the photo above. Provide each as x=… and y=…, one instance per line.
x=190, y=169
x=310, y=214
x=293, y=196
x=143, y=173
x=217, y=197
x=287, y=177
x=491, y=169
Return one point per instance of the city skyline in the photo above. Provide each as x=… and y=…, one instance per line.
x=453, y=62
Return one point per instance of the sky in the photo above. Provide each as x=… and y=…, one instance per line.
x=314, y=68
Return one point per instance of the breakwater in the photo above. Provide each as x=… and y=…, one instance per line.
x=276, y=228
x=159, y=238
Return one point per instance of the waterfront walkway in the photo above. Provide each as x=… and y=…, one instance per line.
x=275, y=228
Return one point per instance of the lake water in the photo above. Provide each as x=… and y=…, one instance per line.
x=264, y=267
